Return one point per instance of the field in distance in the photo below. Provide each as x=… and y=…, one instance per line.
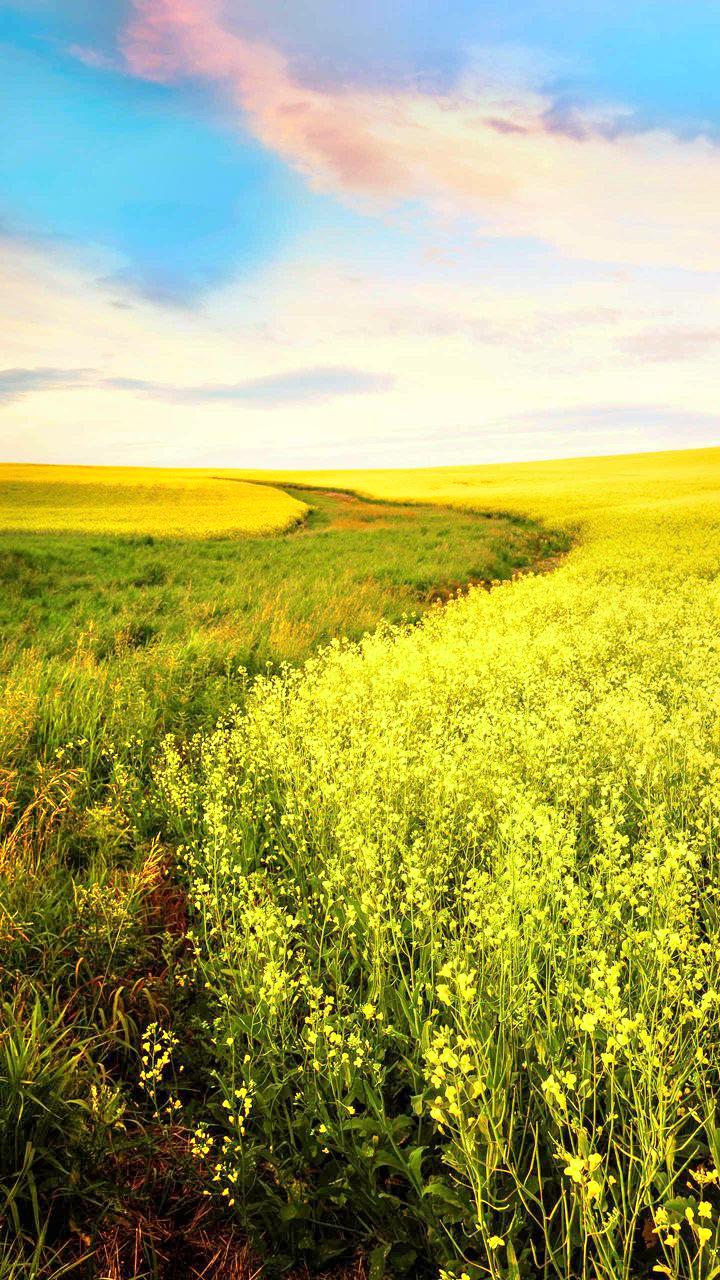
x=134, y=603
x=404, y=960
x=84, y=563
x=136, y=501
x=567, y=491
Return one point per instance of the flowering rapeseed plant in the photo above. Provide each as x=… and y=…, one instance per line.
x=456, y=901
x=150, y=501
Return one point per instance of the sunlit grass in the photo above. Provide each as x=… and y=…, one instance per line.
x=109, y=641
x=450, y=994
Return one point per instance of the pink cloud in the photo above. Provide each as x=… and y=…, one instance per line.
x=174, y=38
x=492, y=148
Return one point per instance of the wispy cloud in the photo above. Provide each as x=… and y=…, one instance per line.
x=94, y=58
x=584, y=430
x=496, y=146
x=295, y=387
x=662, y=345
x=483, y=370
x=561, y=432
x=661, y=420
x=15, y=384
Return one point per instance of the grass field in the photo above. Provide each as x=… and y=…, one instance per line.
x=112, y=636
x=255, y=599
x=409, y=963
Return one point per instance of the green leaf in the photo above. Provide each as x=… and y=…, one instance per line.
x=377, y=1260
x=414, y=1165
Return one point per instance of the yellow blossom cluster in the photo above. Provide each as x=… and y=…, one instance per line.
x=140, y=500
x=458, y=886
x=156, y=1068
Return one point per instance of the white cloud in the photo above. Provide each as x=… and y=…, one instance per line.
x=479, y=370
x=495, y=147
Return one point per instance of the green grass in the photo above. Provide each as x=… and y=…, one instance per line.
x=258, y=599
x=403, y=962
x=108, y=643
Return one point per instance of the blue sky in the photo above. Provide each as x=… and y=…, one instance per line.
x=135, y=169
x=446, y=216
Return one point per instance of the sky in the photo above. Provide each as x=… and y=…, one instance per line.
x=307, y=233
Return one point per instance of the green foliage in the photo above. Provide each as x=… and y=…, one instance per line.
x=54, y=1109
x=109, y=643
x=250, y=601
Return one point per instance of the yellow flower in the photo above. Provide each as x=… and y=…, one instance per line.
x=575, y=1168
x=495, y=1242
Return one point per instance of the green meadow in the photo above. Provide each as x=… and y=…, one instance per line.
x=357, y=922
x=110, y=642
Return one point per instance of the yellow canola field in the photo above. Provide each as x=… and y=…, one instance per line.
x=457, y=889
x=140, y=501
x=599, y=496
